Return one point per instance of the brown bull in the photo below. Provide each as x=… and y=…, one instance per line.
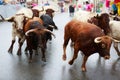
x=110, y=27
x=50, y=12
x=36, y=36
x=87, y=38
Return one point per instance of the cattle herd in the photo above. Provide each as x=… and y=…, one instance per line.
x=93, y=34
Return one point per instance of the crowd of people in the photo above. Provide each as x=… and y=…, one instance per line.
x=86, y=6
x=110, y=6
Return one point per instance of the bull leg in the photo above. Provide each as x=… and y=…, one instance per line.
x=20, y=41
x=76, y=49
x=19, y=49
x=30, y=58
x=64, y=48
x=55, y=26
x=26, y=49
x=72, y=44
x=36, y=51
x=43, y=54
x=84, y=63
x=116, y=48
x=10, y=50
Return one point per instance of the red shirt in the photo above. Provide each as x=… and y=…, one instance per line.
x=107, y=3
x=116, y=1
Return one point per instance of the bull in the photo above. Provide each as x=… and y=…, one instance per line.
x=47, y=20
x=50, y=12
x=36, y=36
x=110, y=27
x=18, y=21
x=87, y=38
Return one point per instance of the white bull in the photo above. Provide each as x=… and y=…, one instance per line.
x=18, y=21
x=83, y=15
x=115, y=33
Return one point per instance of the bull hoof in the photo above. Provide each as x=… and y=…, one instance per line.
x=43, y=59
x=71, y=62
x=119, y=54
x=84, y=69
x=36, y=53
x=56, y=28
x=19, y=53
x=30, y=61
x=26, y=52
x=64, y=57
x=9, y=51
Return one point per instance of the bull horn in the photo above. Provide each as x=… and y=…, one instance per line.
x=29, y=31
x=20, y=14
x=97, y=40
x=9, y=19
x=111, y=16
x=50, y=32
x=42, y=9
x=24, y=15
x=115, y=40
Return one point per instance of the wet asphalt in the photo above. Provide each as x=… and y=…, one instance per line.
x=14, y=67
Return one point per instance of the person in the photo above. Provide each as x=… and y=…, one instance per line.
x=71, y=10
x=88, y=6
x=47, y=3
x=114, y=9
x=84, y=6
x=107, y=4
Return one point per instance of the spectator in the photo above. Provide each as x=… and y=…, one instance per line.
x=71, y=10
x=114, y=9
x=47, y=3
x=107, y=4
x=88, y=6
x=83, y=6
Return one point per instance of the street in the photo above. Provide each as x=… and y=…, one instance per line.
x=14, y=67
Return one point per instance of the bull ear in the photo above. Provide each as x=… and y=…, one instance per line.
x=98, y=39
x=97, y=16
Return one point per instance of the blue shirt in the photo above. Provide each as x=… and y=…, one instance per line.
x=114, y=7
